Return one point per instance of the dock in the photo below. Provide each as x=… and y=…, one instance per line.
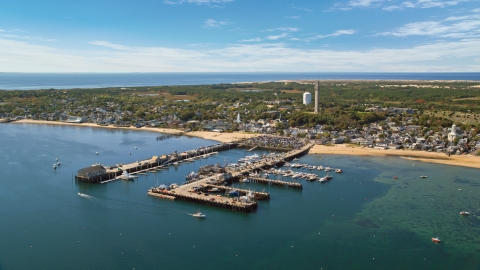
x=276, y=182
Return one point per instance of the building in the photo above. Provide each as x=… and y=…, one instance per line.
x=453, y=133
x=307, y=98
x=89, y=172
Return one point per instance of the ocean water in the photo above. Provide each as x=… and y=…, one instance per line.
x=28, y=81
x=361, y=219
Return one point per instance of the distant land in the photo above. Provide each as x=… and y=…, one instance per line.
x=31, y=81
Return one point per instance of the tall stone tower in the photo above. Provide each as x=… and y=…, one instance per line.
x=317, y=86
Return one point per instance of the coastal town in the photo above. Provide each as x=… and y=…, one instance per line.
x=251, y=112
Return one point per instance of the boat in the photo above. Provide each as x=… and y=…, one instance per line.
x=423, y=176
x=59, y=163
x=191, y=175
x=436, y=240
x=464, y=213
x=233, y=193
x=126, y=176
x=338, y=170
x=54, y=166
x=327, y=169
x=199, y=214
x=246, y=180
x=323, y=179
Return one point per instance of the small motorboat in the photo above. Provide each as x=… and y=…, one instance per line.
x=198, y=214
x=423, y=176
x=54, y=166
x=246, y=180
x=338, y=170
x=436, y=240
x=395, y=177
x=464, y=213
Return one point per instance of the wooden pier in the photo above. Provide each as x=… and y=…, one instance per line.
x=276, y=182
x=220, y=202
x=243, y=192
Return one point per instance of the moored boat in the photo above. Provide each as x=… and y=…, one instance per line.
x=464, y=213
x=338, y=170
x=423, y=176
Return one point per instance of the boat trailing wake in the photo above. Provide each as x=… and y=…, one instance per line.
x=86, y=196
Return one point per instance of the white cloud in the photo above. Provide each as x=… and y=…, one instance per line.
x=252, y=40
x=293, y=17
x=334, y=34
x=452, y=27
x=363, y=3
x=109, y=45
x=276, y=37
x=12, y=36
x=302, y=8
x=284, y=29
x=391, y=5
x=458, y=55
x=210, y=23
x=196, y=2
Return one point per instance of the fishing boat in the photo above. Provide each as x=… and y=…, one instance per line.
x=464, y=213
x=338, y=170
x=436, y=240
x=199, y=214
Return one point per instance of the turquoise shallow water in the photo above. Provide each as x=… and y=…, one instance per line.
x=362, y=219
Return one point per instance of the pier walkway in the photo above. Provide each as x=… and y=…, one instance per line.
x=276, y=182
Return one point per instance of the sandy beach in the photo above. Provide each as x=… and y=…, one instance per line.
x=215, y=136
x=433, y=157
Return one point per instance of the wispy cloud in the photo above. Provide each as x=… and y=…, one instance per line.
x=196, y=2
x=467, y=26
x=109, y=45
x=391, y=5
x=12, y=36
x=302, y=8
x=252, y=40
x=293, y=17
x=276, y=37
x=18, y=56
x=334, y=34
x=211, y=23
x=284, y=29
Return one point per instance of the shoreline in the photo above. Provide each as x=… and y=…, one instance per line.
x=338, y=149
x=208, y=135
x=431, y=157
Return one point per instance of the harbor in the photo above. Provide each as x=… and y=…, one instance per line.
x=213, y=179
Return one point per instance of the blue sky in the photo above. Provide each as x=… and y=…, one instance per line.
x=240, y=36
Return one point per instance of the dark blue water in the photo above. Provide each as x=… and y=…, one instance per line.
x=362, y=219
x=28, y=81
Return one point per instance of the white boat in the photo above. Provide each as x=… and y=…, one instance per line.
x=338, y=170
x=126, y=176
x=199, y=214
x=54, y=166
x=246, y=180
x=423, y=176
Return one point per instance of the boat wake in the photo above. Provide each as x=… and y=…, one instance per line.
x=86, y=196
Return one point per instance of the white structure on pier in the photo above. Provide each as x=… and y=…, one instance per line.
x=307, y=98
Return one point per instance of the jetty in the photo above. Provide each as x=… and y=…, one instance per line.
x=98, y=173
x=276, y=182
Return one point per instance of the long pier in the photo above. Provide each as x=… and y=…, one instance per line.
x=276, y=182
x=147, y=165
x=243, y=192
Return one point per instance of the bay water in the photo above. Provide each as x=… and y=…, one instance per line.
x=361, y=219
x=29, y=81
